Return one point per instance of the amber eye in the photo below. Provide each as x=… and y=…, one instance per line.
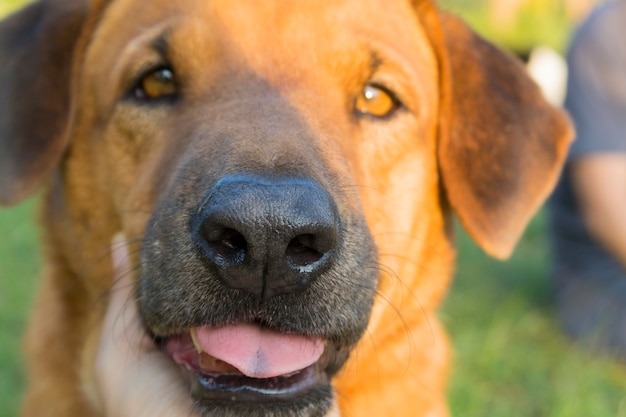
x=157, y=84
x=376, y=101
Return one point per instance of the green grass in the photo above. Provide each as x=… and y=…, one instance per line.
x=511, y=357
x=7, y=6
x=19, y=266
x=538, y=23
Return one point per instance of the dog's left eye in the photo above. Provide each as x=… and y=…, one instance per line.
x=376, y=101
x=160, y=83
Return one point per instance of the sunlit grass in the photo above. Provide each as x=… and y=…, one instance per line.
x=19, y=266
x=8, y=6
x=511, y=357
x=540, y=23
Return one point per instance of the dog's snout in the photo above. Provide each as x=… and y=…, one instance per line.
x=267, y=236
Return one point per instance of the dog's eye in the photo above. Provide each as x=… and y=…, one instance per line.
x=376, y=101
x=157, y=84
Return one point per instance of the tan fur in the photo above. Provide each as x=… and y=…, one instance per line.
x=311, y=55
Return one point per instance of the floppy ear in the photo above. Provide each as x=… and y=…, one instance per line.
x=501, y=145
x=36, y=52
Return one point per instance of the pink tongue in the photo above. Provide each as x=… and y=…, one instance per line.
x=257, y=352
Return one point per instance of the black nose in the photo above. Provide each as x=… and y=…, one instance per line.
x=267, y=236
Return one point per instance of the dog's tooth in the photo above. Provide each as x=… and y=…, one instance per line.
x=194, y=338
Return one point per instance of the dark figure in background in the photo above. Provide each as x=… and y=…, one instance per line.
x=588, y=208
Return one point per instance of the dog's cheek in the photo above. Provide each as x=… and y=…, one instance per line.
x=128, y=155
x=398, y=178
x=401, y=194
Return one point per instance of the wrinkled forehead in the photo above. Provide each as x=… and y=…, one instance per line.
x=272, y=37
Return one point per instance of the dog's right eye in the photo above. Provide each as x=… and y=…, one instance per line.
x=157, y=84
x=376, y=101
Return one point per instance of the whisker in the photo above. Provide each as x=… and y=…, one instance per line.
x=398, y=309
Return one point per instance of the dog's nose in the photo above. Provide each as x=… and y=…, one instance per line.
x=267, y=236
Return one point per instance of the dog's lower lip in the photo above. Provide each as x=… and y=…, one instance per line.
x=231, y=387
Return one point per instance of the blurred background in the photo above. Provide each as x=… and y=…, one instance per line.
x=520, y=25
x=511, y=359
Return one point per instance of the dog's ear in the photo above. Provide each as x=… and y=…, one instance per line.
x=501, y=145
x=36, y=52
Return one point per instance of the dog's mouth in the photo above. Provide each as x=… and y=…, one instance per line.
x=252, y=363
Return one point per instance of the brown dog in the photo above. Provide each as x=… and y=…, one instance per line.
x=287, y=170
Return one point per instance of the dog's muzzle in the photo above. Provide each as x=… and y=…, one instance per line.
x=260, y=292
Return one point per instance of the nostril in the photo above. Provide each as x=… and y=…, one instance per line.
x=304, y=251
x=227, y=245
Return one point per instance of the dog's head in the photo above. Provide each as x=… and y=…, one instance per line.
x=268, y=157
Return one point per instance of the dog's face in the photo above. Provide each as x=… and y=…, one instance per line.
x=253, y=138
x=266, y=158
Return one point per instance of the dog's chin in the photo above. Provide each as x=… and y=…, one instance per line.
x=293, y=382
